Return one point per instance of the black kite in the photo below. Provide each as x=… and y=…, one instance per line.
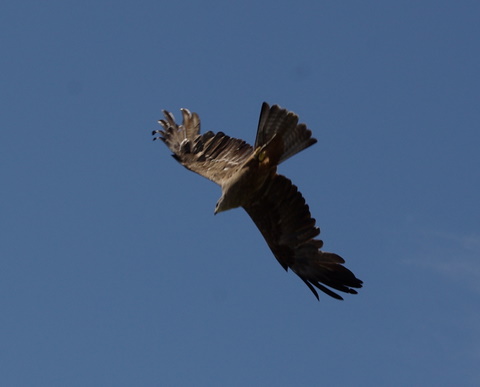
x=248, y=178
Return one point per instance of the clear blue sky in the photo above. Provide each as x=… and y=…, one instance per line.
x=113, y=269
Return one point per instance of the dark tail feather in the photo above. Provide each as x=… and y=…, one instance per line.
x=280, y=125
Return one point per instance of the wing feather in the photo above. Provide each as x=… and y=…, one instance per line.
x=284, y=219
x=214, y=156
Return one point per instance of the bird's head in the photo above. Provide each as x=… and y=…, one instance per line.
x=223, y=204
x=219, y=206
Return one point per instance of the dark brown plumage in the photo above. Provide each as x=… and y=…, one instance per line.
x=248, y=178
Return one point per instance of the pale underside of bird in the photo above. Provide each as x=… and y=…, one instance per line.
x=248, y=178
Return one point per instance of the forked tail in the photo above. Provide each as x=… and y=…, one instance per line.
x=279, y=130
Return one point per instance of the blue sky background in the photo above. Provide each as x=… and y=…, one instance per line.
x=113, y=269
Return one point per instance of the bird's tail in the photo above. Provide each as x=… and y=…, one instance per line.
x=281, y=134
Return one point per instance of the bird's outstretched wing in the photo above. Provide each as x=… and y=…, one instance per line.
x=214, y=156
x=284, y=219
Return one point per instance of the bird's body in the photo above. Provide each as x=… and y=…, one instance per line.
x=240, y=189
x=248, y=178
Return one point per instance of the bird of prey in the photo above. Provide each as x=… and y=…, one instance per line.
x=248, y=178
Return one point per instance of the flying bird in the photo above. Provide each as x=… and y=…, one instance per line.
x=249, y=179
